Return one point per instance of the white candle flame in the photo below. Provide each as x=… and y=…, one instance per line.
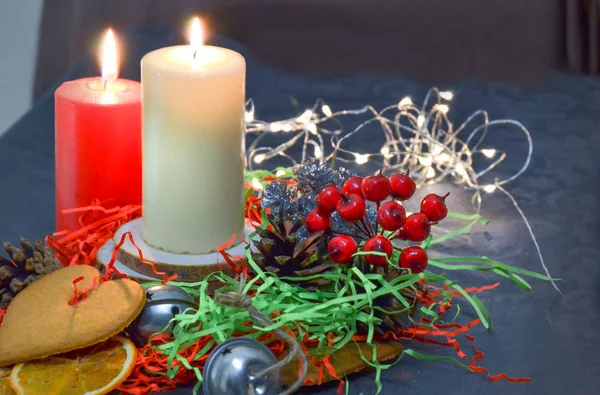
x=196, y=39
x=110, y=66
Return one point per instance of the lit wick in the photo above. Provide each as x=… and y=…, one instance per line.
x=196, y=40
x=110, y=67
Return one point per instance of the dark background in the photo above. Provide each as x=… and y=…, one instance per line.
x=432, y=40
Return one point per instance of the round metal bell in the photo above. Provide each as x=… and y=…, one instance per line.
x=233, y=366
x=163, y=302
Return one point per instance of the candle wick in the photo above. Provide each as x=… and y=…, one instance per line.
x=106, y=83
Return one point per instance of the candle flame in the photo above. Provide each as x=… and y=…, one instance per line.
x=110, y=64
x=196, y=36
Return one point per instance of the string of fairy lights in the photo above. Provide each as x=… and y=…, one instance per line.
x=419, y=139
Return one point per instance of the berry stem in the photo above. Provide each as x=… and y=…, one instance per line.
x=365, y=231
x=367, y=226
x=376, y=217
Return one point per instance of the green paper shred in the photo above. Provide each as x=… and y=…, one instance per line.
x=480, y=309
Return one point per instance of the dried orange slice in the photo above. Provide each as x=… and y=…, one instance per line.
x=5, y=388
x=94, y=370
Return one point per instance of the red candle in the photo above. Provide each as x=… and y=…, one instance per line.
x=98, y=141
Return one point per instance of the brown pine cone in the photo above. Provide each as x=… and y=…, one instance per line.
x=23, y=266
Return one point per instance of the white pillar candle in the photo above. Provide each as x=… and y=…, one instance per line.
x=193, y=103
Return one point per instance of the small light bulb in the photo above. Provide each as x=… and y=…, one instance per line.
x=443, y=108
x=405, y=102
x=318, y=152
x=437, y=149
x=280, y=173
x=256, y=184
x=385, y=150
x=259, y=158
x=447, y=95
x=275, y=127
x=361, y=158
x=249, y=116
x=430, y=173
x=312, y=128
x=420, y=121
x=305, y=117
x=443, y=158
x=460, y=169
x=489, y=188
x=488, y=152
x=286, y=127
x=426, y=160
x=326, y=110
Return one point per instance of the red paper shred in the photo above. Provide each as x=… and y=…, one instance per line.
x=76, y=294
x=253, y=210
x=237, y=263
x=479, y=356
x=166, y=279
x=2, y=312
x=98, y=225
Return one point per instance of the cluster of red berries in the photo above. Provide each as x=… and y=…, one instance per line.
x=351, y=205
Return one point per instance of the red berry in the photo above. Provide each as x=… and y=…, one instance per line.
x=342, y=248
x=402, y=186
x=352, y=186
x=352, y=208
x=416, y=227
x=378, y=244
x=317, y=221
x=391, y=216
x=328, y=199
x=434, y=207
x=413, y=258
x=376, y=188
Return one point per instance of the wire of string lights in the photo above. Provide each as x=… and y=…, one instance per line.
x=418, y=139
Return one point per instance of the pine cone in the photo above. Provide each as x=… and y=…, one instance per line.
x=280, y=252
x=23, y=267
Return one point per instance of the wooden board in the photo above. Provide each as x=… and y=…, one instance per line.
x=345, y=361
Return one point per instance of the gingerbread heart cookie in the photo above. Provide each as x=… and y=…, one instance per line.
x=40, y=322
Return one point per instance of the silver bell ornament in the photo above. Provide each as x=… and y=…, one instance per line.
x=232, y=368
x=163, y=302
